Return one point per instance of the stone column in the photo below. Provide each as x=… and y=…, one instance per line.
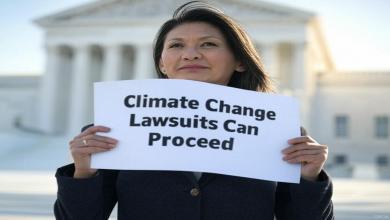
x=49, y=91
x=299, y=79
x=144, y=62
x=80, y=87
x=270, y=54
x=298, y=68
x=112, y=63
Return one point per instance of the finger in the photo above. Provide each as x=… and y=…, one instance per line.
x=316, y=159
x=93, y=130
x=80, y=141
x=303, y=146
x=89, y=150
x=100, y=138
x=301, y=139
x=302, y=153
x=92, y=143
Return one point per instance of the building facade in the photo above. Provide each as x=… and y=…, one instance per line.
x=112, y=40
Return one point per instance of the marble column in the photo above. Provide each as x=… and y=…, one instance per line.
x=144, y=62
x=298, y=68
x=49, y=90
x=299, y=79
x=112, y=63
x=80, y=86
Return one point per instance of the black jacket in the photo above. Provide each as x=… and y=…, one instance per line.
x=144, y=195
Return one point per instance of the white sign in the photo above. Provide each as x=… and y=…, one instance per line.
x=166, y=124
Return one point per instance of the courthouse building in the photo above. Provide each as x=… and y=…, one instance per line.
x=112, y=40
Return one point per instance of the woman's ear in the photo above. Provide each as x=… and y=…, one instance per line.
x=240, y=67
x=162, y=68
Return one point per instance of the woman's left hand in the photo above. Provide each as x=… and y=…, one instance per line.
x=309, y=153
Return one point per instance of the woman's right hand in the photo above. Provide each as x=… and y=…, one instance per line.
x=84, y=145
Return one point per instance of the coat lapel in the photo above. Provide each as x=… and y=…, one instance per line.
x=205, y=179
x=191, y=177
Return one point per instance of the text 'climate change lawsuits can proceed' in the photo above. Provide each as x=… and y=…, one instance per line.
x=168, y=124
x=196, y=121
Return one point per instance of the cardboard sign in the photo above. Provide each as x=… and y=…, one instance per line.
x=187, y=125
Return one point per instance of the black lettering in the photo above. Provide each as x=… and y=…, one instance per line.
x=224, y=107
x=214, y=143
x=146, y=122
x=157, y=102
x=202, y=142
x=237, y=110
x=253, y=130
x=259, y=114
x=177, y=141
x=193, y=104
x=160, y=121
x=127, y=101
x=132, y=121
x=226, y=125
x=227, y=144
x=165, y=140
x=241, y=129
x=203, y=122
x=183, y=101
x=195, y=121
x=188, y=142
x=213, y=124
x=173, y=122
x=247, y=111
x=153, y=137
x=173, y=103
x=185, y=122
x=209, y=102
x=271, y=115
x=145, y=101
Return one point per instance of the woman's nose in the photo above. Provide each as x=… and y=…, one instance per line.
x=191, y=54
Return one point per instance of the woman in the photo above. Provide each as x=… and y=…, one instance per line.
x=198, y=43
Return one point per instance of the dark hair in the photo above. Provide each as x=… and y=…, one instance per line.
x=253, y=78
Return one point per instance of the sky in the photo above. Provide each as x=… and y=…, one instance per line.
x=356, y=32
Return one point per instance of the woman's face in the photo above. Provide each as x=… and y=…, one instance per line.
x=198, y=51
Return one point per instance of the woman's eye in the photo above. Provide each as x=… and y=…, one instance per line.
x=175, y=45
x=209, y=44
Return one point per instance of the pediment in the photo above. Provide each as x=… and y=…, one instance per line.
x=111, y=11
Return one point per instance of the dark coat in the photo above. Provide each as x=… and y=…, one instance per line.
x=173, y=195
x=177, y=195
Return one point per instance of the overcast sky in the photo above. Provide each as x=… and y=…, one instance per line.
x=356, y=32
